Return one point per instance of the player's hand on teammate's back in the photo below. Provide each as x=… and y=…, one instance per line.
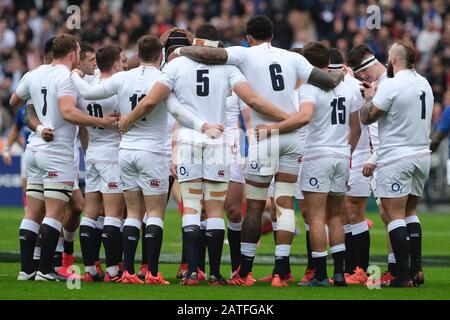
x=213, y=131
x=111, y=121
x=47, y=134
x=79, y=72
x=263, y=131
x=368, y=169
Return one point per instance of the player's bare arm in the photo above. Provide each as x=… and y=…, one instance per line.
x=156, y=95
x=15, y=101
x=87, y=91
x=436, y=140
x=35, y=124
x=369, y=113
x=296, y=121
x=75, y=116
x=12, y=137
x=325, y=80
x=258, y=103
x=203, y=54
x=355, y=130
x=84, y=137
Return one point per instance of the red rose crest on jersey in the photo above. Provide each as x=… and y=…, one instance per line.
x=221, y=173
x=113, y=185
x=155, y=183
x=52, y=174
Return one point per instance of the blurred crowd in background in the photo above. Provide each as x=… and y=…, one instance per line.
x=26, y=25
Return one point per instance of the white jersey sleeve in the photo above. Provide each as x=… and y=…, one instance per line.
x=385, y=94
x=235, y=76
x=302, y=67
x=66, y=88
x=102, y=90
x=308, y=93
x=23, y=89
x=168, y=75
x=236, y=55
x=184, y=117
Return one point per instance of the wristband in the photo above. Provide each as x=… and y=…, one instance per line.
x=373, y=159
x=39, y=130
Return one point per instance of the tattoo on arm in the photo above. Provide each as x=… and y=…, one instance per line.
x=205, y=54
x=31, y=116
x=325, y=80
x=369, y=113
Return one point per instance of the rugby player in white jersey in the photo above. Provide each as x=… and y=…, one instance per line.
x=234, y=199
x=325, y=163
x=403, y=106
x=103, y=189
x=51, y=178
x=200, y=87
x=142, y=156
x=64, y=257
x=368, y=69
x=273, y=73
x=357, y=238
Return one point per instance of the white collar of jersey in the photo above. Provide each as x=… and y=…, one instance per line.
x=369, y=61
x=205, y=42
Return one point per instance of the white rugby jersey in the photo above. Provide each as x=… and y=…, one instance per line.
x=103, y=143
x=201, y=89
x=303, y=132
x=234, y=106
x=273, y=73
x=43, y=86
x=329, y=127
x=404, y=129
x=130, y=87
x=363, y=148
x=373, y=127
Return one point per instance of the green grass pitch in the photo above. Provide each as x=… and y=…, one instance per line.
x=436, y=252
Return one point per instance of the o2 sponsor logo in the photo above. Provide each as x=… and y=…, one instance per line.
x=183, y=172
x=255, y=165
x=314, y=182
x=395, y=187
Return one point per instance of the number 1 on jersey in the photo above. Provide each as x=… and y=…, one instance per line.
x=424, y=110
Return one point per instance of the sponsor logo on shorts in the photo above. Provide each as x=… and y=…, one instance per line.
x=52, y=174
x=183, y=171
x=254, y=165
x=155, y=183
x=113, y=185
x=221, y=173
x=314, y=182
x=131, y=238
x=348, y=188
x=299, y=160
x=395, y=187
